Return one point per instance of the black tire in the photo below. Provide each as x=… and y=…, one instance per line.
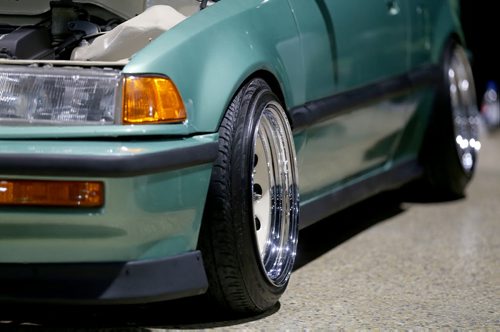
x=451, y=146
x=244, y=277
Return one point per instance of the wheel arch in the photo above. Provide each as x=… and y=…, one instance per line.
x=447, y=28
x=273, y=82
x=271, y=79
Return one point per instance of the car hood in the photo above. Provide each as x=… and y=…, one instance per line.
x=123, y=8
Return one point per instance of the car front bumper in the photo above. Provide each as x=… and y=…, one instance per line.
x=140, y=245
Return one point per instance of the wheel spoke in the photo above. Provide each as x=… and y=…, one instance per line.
x=261, y=189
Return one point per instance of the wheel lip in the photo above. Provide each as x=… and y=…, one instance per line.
x=277, y=257
x=464, y=109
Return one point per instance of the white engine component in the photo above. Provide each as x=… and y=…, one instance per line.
x=129, y=37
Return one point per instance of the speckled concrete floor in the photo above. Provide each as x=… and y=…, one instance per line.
x=402, y=266
x=381, y=264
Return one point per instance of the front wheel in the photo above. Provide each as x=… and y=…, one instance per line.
x=250, y=225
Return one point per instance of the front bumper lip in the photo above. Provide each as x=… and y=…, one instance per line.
x=101, y=283
x=107, y=165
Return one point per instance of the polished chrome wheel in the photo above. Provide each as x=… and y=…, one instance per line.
x=274, y=194
x=250, y=225
x=465, y=113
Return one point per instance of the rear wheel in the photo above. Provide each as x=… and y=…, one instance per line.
x=452, y=143
x=250, y=226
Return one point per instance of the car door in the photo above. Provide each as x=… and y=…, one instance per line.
x=352, y=51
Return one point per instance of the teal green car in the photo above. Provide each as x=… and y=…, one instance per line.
x=153, y=150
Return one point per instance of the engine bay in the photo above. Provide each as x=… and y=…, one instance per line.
x=76, y=30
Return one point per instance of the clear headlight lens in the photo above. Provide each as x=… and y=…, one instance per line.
x=59, y=95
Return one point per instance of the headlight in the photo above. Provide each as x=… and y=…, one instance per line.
x=79, y=96
x=59, y=95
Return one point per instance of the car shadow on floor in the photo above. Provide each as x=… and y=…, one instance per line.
x=196, y=313
x=191, y=313
x=325, y=235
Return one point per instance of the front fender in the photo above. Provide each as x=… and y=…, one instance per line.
x=209, y=55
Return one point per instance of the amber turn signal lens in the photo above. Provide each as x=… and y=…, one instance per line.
x=51, y=193
x=151, y=99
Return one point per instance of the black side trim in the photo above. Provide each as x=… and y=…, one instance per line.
x=319, y=110
x=359, y=191
x=132, y=282
x=109, y=166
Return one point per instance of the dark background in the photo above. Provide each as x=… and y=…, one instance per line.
x=481, y=25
